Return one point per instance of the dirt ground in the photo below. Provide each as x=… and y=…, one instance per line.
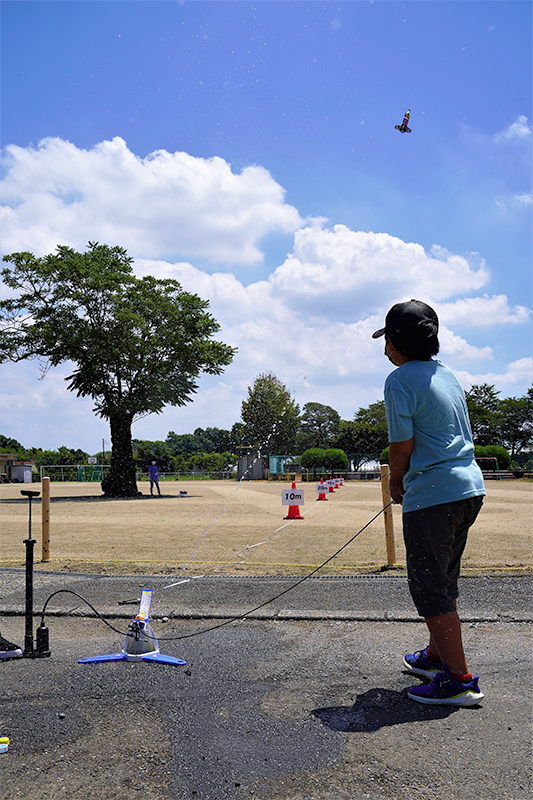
x=234, y=528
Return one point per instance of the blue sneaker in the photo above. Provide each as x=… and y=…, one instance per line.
x=8, y=649
x=444, y=690
x=421, y=664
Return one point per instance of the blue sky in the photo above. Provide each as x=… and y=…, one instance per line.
x=249, y=150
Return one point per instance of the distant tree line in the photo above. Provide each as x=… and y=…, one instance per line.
x=271, y=423
x=504, y=422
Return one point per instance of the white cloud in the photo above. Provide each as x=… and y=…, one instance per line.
x=518, y=374
x=485, y=311
x=43, y=413
x=513, y=202
x=346, y=274
x=518, y=131
x=164, y=204
x=454, y=348
x=310, y=321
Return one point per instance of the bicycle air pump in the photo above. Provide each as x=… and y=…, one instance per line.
x=42, y=650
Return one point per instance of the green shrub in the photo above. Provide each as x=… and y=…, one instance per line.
x=492, y=451
x=313, y=458
x=336, y=459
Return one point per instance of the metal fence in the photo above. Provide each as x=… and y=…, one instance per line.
x=227, y=475
x=93, y=473
x=74, y=472
x=307, y=476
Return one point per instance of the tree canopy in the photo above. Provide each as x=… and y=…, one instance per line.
x=365, y=436
x=484, y=412
x=8, y=445
x=516, y=427
x=507, y=422
x=270, y=416
x=330, y=458
x=136, y=345
x=145, y=452
x=319, y=425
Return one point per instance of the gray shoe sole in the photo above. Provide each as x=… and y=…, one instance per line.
x=463, y=700
x=4, y=654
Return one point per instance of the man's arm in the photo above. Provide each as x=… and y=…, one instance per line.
x=399, y=458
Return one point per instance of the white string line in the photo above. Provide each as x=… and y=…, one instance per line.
x=185, y=580
x=266, y=541
x=251, y=466
x=243, y=550
x=249, y=547
x=178, y=583
x=204, y=540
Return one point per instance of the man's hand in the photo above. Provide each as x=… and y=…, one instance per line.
x=396, y=491
x=399, y=459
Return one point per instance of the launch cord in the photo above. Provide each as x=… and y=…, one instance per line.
x=232, y=619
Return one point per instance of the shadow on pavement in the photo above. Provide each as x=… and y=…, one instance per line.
x=379, y=708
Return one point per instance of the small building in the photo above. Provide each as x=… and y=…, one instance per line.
x=251, y=467
x=14, y=471
x=21, y=471
x=277, y=465
x=6, y=462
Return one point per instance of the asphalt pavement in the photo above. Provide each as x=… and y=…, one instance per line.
x=303, y=698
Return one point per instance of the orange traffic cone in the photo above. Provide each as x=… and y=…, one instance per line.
x=322, y=490
x=294, y=511
x=331, y=487
x=337, y=482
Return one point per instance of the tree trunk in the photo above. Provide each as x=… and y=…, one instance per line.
x=120, y=481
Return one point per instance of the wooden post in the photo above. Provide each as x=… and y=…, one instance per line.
x=46, y=519
x=387, y=515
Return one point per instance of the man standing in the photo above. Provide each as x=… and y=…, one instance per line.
x=433, y=474
x=153, y=474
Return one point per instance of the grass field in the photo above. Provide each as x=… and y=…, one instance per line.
x=231, y=528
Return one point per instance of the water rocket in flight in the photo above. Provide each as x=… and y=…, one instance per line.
x=403, y=127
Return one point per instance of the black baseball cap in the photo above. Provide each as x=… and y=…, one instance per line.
x=409, y=322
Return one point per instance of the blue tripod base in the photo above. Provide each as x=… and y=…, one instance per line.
x=140, y=645
x=159, y=657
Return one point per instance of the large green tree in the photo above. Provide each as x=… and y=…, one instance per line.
x=516, y=426
x=216, y=440
x=146, y=451
x=319, y=425
x=270, y=416
x=183, y=444
x=136, y=345
x=366, y=436
x=485, y=415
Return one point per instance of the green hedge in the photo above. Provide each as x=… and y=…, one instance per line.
x=488, y=451
x=492, y=451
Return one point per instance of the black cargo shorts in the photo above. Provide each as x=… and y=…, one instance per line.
x=435, y=538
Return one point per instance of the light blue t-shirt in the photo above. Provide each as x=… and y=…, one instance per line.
x=425, y=400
